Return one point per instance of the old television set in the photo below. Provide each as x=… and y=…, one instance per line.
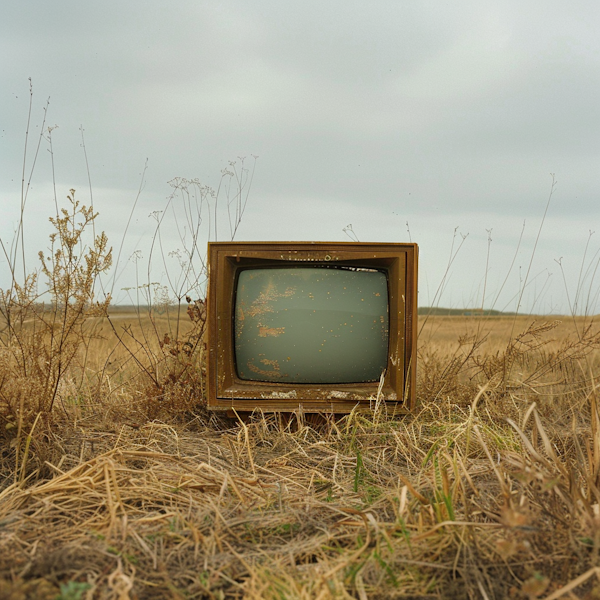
x=322, y=327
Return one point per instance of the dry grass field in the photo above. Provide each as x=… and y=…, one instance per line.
x=121, y=485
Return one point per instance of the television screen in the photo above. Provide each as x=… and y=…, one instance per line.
x=311, y=325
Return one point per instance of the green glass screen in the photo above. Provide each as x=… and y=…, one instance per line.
x=311, y=325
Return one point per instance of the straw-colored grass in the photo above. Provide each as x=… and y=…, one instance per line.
x=490, y=490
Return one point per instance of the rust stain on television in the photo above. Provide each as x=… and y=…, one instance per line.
x=270, y=331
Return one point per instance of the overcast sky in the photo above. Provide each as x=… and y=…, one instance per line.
x=374, y=114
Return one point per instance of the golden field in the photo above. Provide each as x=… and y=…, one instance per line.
x=125, y=487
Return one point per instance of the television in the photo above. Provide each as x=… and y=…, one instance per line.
x=321, y=327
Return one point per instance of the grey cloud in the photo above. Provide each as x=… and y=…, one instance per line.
x=427, y=109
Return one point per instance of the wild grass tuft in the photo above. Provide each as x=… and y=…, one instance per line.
x=43, y=339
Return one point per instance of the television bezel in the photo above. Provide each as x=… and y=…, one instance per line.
x=226, y=391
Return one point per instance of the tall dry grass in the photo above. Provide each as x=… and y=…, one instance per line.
x=490, y=490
